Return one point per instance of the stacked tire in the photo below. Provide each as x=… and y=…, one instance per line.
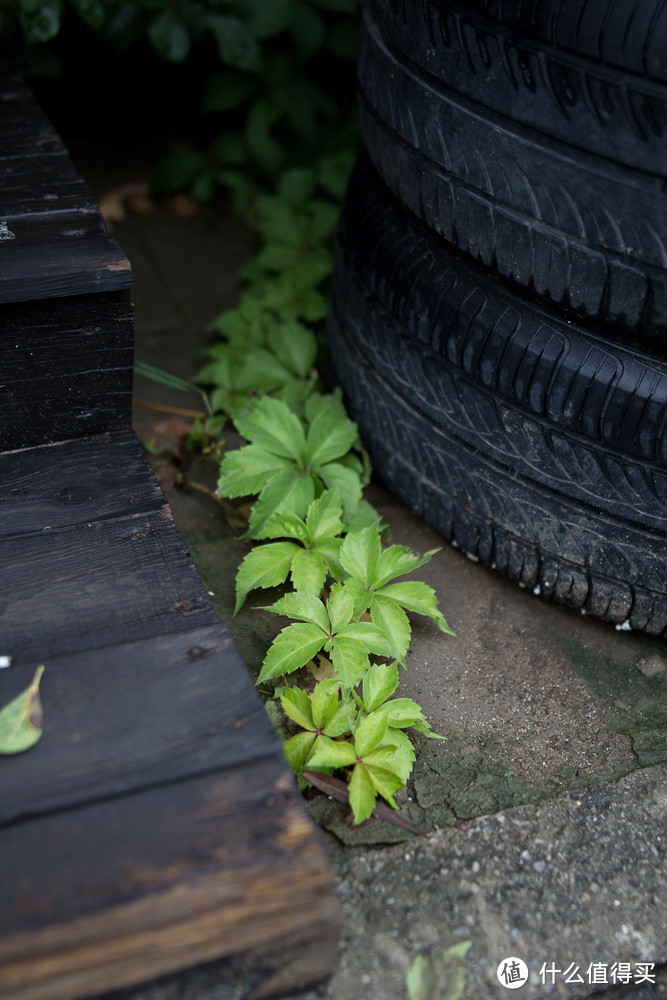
x=499, y=309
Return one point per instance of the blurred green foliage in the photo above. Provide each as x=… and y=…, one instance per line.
x=277, y=76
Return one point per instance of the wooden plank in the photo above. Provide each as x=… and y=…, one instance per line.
x=68, y=253
x=122, y=891
x=24, y=128
x=75, y=481
x=96, y=584
x=34, y=184
x=132, y=716
x=65, y=368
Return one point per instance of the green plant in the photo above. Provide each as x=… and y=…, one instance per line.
x=21, y=719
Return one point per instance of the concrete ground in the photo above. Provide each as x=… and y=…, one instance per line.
x=544, y=810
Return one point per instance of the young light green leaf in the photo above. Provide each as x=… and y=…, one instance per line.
x=368, y=634
x=296, y=705
x=329, y=550
x=362, y=794
x=402, y=713
x=360, y=553
x=297, y=750
x=438, y=974
x=404, y=755
x=21, y=719
x=379, y=684
x=287, y=525
x=286, y=491
x=364, y=517
x=264, y=566
x=346, y=482
x=393, y=621
x=295, y=345
x=417, y=597
x=324, y=703
x=324, y=516
x=291, y=649
x=332, y=753
x=340, y=607
x=350, y=660
x=305, y=607
x=385, y=782
x=396, y=560
x=271, y=424
x=309, y=571
x=369, y=732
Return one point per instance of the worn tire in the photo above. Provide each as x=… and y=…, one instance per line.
x=537, y=446
x=468, y=120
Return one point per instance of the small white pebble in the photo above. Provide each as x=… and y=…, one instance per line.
x=211, y=593
x=624, y=626
x=5, y=661
x=471, y=557
x=537, y=590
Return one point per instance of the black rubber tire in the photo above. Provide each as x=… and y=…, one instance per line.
x=536, y=446
x=616, y=113
x=585, y=232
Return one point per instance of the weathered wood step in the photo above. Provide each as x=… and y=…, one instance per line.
x=66, y=335
x=89, y=551
x=154, y=826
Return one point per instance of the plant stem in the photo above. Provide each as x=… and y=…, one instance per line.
x=175, y=410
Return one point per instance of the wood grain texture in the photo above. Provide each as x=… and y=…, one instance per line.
x=73, y=482
x=96, y=584
x=47, y=183
x=132, y=716
x=65, y=368
x=121, y=891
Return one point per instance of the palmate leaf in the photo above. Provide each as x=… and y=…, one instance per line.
x=297, y=705
x=290, y=650
x=264, y=566
x=370, y=635
x=379, y=684
x=369, y=733
x=295, y=346
x=360, y=554
x=271, y=424
x=346, y=482
x=324, y=703
x=324, y=520
x=326, y=441
x=332, y=753
x=350, y=660
x=397, y=560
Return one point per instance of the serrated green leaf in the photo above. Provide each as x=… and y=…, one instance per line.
x=369, y=732
x=271, y=424
x=264, y=566
x=323, y=219
x=326, y=441
x=350, y=660
x=309, y=572
x=334, y=172
x=295, y=345
x=404, y=755
x=297, y=706
x=286, y=525
x=332, y=753
x=362, y=794
x=324, y=703
x=379, y=684
x=391, y=619
x=365, y=516
x=264, y=148
x=417, y=597
x=396, y=560
x=297, y=750
x=287, y=491
x=296, y=186
x=346, y=482
x=21, y=719
x=332, y=402
x=368, y=634
x=306, y=607
x=290, y=650
x=343, y=721
x=339, y=607
x=324, y=518
x=244, y=471
x=438, y=974
x=360, y=553
x=385, y=783
x=329, y=550
x=402, y=713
